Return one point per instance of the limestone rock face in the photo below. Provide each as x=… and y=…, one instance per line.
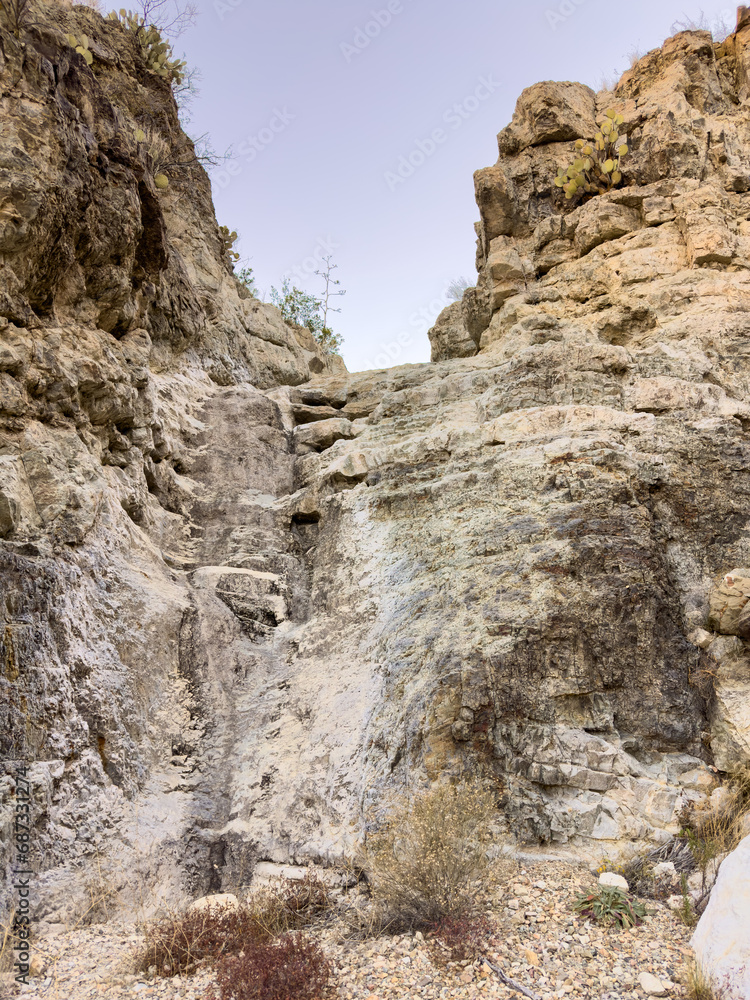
x=242, y=605
x=721, y=942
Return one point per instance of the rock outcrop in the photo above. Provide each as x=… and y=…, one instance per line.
x=242, y=605
x=721, y=941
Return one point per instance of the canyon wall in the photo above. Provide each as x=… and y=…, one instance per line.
x=247, y=596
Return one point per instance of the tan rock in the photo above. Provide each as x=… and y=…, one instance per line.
x=612, y=878
x=220, y=901
x=651, y=985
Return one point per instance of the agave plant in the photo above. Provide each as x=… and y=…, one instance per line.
x=609, y=905
x=596, y=167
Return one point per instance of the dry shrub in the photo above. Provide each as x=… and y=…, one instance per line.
x=175, y=944
x=292, y=967
x=7, y=943
x=306, y=899
x=459, y=938
x=424, y=862
x=723, y=827
x=698, y=985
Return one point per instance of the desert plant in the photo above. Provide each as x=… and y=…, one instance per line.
x=596, y=168
x=245, y=277
x=609, y=905
x=16, y=13
x=425, y=860
x=329, y=282
x=297, y=307
x=685, y=912
x=82, y=47
x=302, y=309
x=228, y=240
x=460, y=938
x=169, y=16
x=330, y=342
x=176, y=943
x=456, y=288
x=273, y=970
x=7, y=943
x=698, y=985
x=720, y=27
x=156, y=52
x=305, y=899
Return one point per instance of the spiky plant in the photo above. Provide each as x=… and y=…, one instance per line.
x=596, y=168
x=609, y=905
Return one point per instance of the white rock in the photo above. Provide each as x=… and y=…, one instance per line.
x=664, y=869
x=267, y=871
x=722, y=940
x=611, y=878
x=652, y=985
x=222, y=899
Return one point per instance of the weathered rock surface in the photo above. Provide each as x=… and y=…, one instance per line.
x=241, y=606
x=721, y=941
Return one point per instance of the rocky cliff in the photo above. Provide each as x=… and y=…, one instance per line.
x=244, y=602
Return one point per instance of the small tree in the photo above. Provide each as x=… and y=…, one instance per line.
x=297, y=307
x=245, y=277
x=328, y=294
x=302, y=309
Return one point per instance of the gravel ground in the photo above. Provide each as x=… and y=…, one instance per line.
x=539, y=943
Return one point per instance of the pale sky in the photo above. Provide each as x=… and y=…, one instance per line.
x=323, y=103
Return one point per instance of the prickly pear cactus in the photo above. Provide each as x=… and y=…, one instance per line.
x=229, y=239
x=157, y=53
x=82, y=47
x=596, y=168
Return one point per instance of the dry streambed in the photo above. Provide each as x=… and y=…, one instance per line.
x=540, y=943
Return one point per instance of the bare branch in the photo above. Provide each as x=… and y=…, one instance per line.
x=170, y=16
x=507, y=981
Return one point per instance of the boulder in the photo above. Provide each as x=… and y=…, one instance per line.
x=722, y=939
x=220, y=901
x=549, y=112
x=652, y=986
x=612, y=878
x=449, y=337
x=728, y=605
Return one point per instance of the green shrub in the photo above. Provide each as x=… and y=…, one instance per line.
x=245, y=278
x=609, y=905
x=425, y=861
x=302, y=309
x=596, y=168
x=685, y=912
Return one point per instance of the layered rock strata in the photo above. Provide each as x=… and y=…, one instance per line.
x=243, y=606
